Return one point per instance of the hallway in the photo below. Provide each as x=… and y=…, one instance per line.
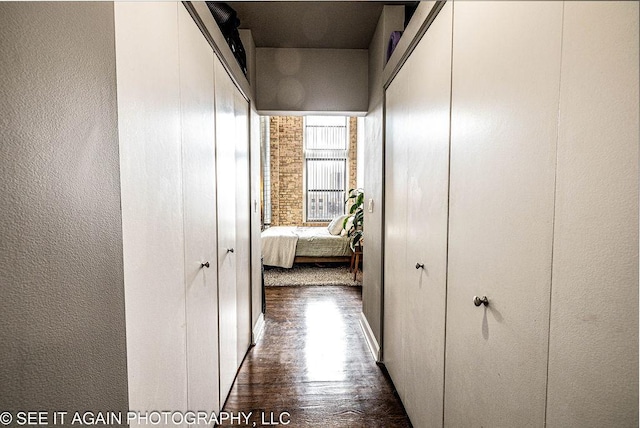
x=312, y=362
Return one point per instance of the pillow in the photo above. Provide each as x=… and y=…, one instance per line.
x=347, y=226
x=335, y=227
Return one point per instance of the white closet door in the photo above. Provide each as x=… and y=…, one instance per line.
x=199, y=190
x=395, y=231
x=427, y=103
x=243, y=238
x=152, y=214
x=593, y=344
x=226, y=179
x=418, y=102
x=506, y=70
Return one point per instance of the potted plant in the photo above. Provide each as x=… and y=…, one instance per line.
x=356, y=211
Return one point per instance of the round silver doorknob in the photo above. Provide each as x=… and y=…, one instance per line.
x=205, y=264
x=419, y=265
x=230, y=250
x=480, y=300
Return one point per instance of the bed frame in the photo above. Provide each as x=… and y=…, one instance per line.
x=304, y=259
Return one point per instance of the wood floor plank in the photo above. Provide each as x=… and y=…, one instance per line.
x=313, y=363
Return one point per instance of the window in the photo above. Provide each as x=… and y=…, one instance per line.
x=326, y=151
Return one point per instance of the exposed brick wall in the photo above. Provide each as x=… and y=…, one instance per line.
x=286, y=144
x=353, y=150
x=274, y=150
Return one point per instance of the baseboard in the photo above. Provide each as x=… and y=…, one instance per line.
x=372, y=343
x=257, y=329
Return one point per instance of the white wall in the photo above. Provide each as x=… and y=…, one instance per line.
x=392, y=19
x=593, y=344
x=62, y=295
x=250, y=50
x=256, y=245
x=311, y=80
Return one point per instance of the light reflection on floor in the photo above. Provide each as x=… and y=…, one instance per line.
x=326, y=342
x=312, y=361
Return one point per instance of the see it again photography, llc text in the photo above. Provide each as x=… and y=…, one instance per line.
x=88, y=418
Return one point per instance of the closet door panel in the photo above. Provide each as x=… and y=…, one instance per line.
x=243, y=237
x=506, y=69
x=148, y=89
x=226, y=179
x=427, y=102
x=593, y=344
x=199, y=190
x=395, y=232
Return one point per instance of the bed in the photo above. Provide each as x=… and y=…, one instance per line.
x=283, y=246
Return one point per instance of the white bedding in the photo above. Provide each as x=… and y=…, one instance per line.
x=281, y=244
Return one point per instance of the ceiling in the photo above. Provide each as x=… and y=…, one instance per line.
x=311, y=24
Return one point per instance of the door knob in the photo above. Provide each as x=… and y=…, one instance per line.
x=230, y=250
x=205, y=264
x=480, y=300
x=419, y=265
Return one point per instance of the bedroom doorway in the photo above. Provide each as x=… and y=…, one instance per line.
x=308, y=165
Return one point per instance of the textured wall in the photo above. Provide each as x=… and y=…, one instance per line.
x=61, y=297
x=287, y=179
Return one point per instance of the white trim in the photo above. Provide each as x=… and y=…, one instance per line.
x=257, y=329
x=372, y=343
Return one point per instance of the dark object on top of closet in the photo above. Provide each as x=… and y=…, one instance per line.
x=227, y=19
x=393, y=42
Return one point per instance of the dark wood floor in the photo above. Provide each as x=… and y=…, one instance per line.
x=312, y=362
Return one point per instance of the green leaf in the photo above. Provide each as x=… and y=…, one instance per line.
x=355, y=240
x=355, y=233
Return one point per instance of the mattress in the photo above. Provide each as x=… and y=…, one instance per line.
x=281, y=244
x=318, y=242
